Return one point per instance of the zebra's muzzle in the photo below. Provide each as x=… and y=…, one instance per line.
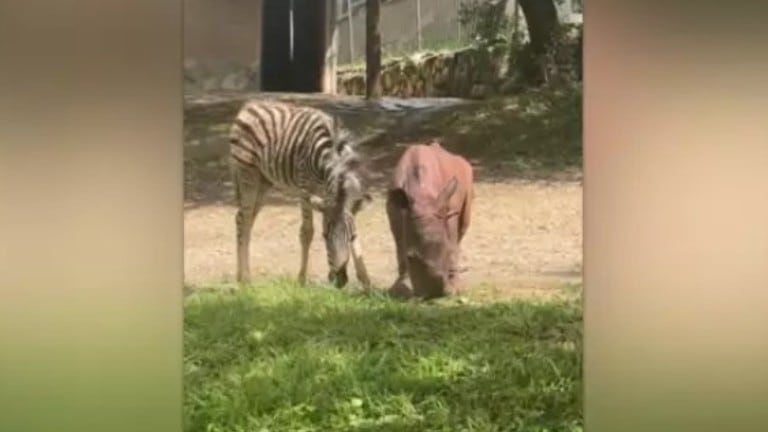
x=339, y=277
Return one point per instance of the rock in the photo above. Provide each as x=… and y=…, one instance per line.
x=235, y=81
x=210, y=83
x=510, y=86
x=194, y=74
x=478, y=91
x=470, y=72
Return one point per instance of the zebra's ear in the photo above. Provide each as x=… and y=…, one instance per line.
x=344, y=140
x=354, y=163
x=338, y=125
x=362, y=203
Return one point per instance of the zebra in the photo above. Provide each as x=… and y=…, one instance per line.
x=304, y=152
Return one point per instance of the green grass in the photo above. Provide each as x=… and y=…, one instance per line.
x=277, y=357
x=535, y=134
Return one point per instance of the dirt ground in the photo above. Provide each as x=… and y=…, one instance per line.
x=525, y=238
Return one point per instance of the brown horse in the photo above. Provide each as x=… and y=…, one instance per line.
x=429, y=206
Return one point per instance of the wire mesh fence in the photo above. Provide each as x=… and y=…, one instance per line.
x=409, y=26
x=406, y=26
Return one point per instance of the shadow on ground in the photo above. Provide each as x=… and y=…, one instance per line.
x=531, y=137
x=322, y=357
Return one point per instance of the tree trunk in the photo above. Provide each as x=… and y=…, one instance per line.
x=580, y=56
x=372, y=50
x=542, y=21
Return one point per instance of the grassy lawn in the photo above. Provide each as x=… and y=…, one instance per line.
x=277, y=357
x=535, y=135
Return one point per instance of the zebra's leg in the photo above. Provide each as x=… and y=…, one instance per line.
x=360, y=270
x=306, y=234
x=250, y=190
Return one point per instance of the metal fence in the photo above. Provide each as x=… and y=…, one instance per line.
x=409, y=26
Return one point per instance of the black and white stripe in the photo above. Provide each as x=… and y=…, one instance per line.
x=304, y=152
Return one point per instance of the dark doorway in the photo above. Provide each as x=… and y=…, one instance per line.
x=276, y=45
x=296, y=67
x=308, y=44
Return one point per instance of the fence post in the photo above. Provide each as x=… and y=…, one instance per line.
x=458, y=20
x=418, y=23
x=330, y=77
x=291, y=29
x=351, y=37
x=516, y=23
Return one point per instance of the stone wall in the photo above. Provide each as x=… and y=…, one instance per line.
x=468, y=73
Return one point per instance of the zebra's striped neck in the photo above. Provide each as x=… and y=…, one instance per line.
x=340, y=187
x=343, y=180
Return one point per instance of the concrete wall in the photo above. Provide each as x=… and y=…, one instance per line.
x=222, y=44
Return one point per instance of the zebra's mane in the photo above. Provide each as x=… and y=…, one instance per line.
x=348, y=170
x=347, y=162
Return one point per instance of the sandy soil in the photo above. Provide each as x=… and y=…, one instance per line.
x=525, y=237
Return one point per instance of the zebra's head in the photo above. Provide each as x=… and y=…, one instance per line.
x=339, y=233
x=346, y=196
